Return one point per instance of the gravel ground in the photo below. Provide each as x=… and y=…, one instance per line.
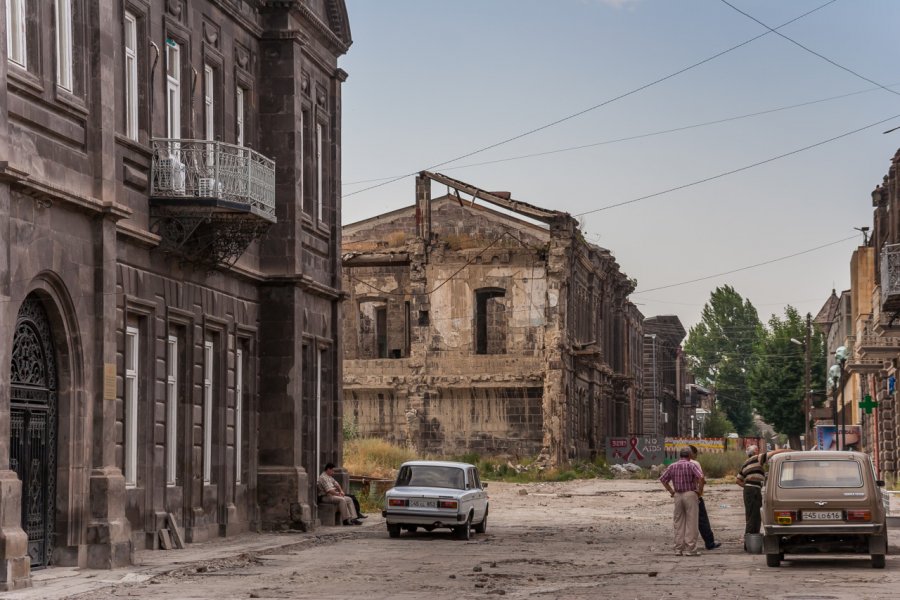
x=578, y=539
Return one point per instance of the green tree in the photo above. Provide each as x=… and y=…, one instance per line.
x=717, y=424
x=777, y=378
x=719, y=351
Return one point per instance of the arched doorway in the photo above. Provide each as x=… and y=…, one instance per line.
x=33, y=416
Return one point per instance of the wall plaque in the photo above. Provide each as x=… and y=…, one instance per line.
x=109, y=381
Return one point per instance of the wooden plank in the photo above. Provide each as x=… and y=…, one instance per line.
x=175, y=531
x=165, y=540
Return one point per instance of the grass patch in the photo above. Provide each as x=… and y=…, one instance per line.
x=725, y=464
x=374, y=457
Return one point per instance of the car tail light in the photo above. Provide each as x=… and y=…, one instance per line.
x=448, y=504
x=859, y=515
x=785, y=517
x=397, y=502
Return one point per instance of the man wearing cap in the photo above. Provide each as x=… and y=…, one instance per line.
x=684, y=481
x=752, y=477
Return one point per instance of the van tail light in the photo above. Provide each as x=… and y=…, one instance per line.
x=785, y=517
x=448, y=504
x=859, y=515
x=397, y=502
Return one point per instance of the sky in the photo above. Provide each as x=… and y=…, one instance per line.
x=434, y=80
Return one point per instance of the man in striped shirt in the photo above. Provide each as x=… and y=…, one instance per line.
x=752, y=477
x=684, y=481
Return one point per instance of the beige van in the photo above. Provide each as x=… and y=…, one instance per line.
x=823, y=502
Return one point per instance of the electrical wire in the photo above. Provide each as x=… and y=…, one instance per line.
x=591, y=108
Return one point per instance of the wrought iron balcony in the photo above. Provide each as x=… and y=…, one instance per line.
x=890, y=277
x=209, y=200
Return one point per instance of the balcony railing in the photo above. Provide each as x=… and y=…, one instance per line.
x=875, y=346
x=890, y=277
x=234, y=176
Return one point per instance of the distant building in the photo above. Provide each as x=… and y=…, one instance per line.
x=484, y=324
x=169, y=272
x=664, y=377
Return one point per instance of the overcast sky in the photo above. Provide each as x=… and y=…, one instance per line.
x=432, y=80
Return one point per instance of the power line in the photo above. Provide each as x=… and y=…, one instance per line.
x=591, y=108
x=636, y=136
x=738, y=170
x=767, y=262
x=811, y=51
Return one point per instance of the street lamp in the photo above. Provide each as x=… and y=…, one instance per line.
x=836, y=375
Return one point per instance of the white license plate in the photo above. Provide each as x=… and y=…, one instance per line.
x=823, y=515
x=413, y=503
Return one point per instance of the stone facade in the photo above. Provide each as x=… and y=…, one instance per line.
x=664, y=377
x=146, y=362
x=497, y=331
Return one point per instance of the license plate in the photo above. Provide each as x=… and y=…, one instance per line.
x=413, y=503
x=823, y=515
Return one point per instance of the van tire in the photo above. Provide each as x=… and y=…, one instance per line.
x=878, y=561
x=774, y=560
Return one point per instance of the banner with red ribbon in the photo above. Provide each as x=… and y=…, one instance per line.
x=639, y=450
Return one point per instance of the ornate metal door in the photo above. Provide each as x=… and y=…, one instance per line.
x=33, y=426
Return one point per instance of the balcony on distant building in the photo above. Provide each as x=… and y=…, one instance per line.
x=877, y=346
x=858, y=362
x=209, y=200
x=890, y=278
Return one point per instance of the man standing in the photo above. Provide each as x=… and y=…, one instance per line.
x=330, y=491
x=684, y=481
x=752, y=477
x=706, y=532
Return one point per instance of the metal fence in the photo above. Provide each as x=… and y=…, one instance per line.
x=207, y=169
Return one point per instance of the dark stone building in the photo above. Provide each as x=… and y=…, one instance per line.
x=169, y=271
x=665, y=412
x=487, y=325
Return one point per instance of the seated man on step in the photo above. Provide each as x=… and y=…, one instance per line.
x=330, y=491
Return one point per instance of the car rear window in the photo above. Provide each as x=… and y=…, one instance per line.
x=820, y=473
x=431, y=476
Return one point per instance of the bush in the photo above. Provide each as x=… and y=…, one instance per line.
x=716, y=465
x=374, y=457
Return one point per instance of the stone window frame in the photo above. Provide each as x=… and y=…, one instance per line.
x=16, y=21
x=131, y=403
x=246, y=83
x=208, y=387
x=307, y=203
x=131, y=98
x=490, y=292
x=65, y=42
x=375, y=300
x=238, y=413
x=245, y=341
x=173, y=370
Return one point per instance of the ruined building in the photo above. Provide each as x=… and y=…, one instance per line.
x=665, y=411
x=478, y=323
x=169, y=232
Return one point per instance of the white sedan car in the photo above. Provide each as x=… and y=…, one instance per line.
x=437, y=494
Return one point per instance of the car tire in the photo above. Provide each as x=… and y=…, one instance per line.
x=773, y=560
x=464, y=532
x=393, y=531
x=482, y=527
x=411, y=528
x=878, y=561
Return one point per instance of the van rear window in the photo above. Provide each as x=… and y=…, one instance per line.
x=820, y=473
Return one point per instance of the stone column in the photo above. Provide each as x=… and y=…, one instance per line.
x=108, y=532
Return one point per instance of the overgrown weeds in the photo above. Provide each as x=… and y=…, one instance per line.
x=717, y=465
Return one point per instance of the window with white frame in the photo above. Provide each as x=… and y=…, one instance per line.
x=16, y=39
x=171, y=410
x=207, y=410
x=238, y=414
x=131, y=76
x=132, y=373
x=239, y=114
x=64, y=40
x=320, y=361
x=320, y=187
x=209, y=102
x=173, y=89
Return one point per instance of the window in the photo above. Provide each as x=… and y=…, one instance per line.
x=208, y=102
x=132, y=339
x=131, y=77
x=490, y=321
x=173, y=89
x=172, y=410
x=319, y=364
x=239, y=116
x=64, y=44
x=207, y=410
x=320, y=189
x=15, y=28
x=238, y=414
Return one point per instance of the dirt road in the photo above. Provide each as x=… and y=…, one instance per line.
x=580, y=539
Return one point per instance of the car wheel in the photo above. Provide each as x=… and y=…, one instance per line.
x=773, y=560
x=394, y=531
x=482, y=527
x=411, y=528
x=464, y=532
x=878, y=561
x=428, y=528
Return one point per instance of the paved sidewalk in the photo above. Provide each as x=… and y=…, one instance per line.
x=63, y=582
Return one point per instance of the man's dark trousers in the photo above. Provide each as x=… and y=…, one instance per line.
x=706, y=532
x=752, y=506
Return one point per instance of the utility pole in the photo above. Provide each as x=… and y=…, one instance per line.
x=807, y=404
